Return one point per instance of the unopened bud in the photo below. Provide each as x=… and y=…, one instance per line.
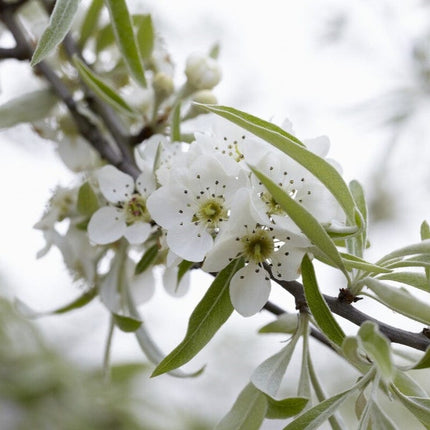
x=203, y=72
x=205, y=96
x=163, y=85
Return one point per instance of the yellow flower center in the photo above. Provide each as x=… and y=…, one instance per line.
x=258, y=246
x=135, y=210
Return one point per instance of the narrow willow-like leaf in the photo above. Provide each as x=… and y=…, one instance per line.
x=209, y=315
x=267, y=377
x=354, y=262
x=285, y=408
x=183, y=268
x=377, y=347
x=380, y=420
x=77, y=303
x=335, y=421
x=145, y=35
x=417, y=280
x=318, y=305
x=400, y=300
x=419, y=406
x=149, y=347
x=29, y=107
x=425, y=234
x=147, y=258
x=287, y=143
x=424, y=362
x=126, y=39
x=89, y=24
x=87, y=202
x=284, y=323
x=314, y=417
x=59, y=24
x=350, y=350
x=358, y=243
x=125, y=323
x=304, y=220
x=104, y=37
x=416, y=248
x=175, y=132
x=422, y=260
x=408, y=386
x=102, y=89
x=248, y=411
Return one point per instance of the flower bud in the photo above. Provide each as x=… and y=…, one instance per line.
x=163, y=85
x=205, y=96
x=203, y=72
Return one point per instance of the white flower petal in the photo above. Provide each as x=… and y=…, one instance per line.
x=115, y=185
x=145, y=182
x=249, y=289
x=137, y=233
x=318, y=145
x=286, y=262
x=106, y=225
x=223, y=252
x=168, y=206
x=170, y=277
x=189, y=242
x=142, y=286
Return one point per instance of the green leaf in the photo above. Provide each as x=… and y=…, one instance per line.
x=399, y=300
x=419, y=406
x=286, y=408
x=209, y=315
x=145, y=35
x=59, y=24
x=126, y=39
x=284, y=323
x=102, y=89
x=350, y=350
x=287, y=143
x=104, y=38
x=379, y=419
x=377, y=347
x=425, y=234
x=354, y=262
x=214, y=51
x=314, y=417
x=127, y=324
x=425, y=230
x=29, y=107
x=358, y=244
x=77, y=303
x=126, y=373
x=175, y=132
x=318, y=305
x=183, y=268
x=87, y=202
x=304, y=220
x=89, y=24
x=408, y=385
x=268, y=375
x=416, y=248
x=422, y=363
x=147, y=259
x=414, y=279
x=248, y=411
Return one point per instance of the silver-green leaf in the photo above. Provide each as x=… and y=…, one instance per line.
x=59, y=25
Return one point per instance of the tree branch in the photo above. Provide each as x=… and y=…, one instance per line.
x=414, y=340
x=86, y=128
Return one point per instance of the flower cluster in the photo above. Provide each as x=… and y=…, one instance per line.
x=201, y=203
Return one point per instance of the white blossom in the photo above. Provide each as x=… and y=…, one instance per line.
x=126, y=213
x=194, y=204
x=263, y=246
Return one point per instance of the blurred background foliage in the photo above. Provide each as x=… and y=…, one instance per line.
x=40, y=389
